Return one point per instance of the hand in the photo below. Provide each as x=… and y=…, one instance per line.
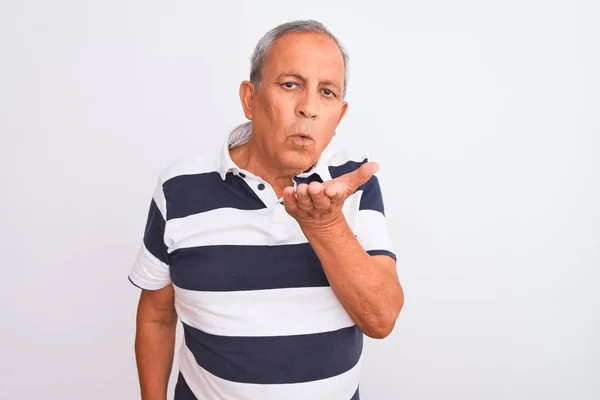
x=319, y=205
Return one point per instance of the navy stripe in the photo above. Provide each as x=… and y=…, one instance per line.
x=355, y=397
x=371, y=198
x=350, y=166
x=276, y=359
x=232, y=268
x=308, y=180
x=193, y=194
x=381, y=253
x=183, y=391
x=154, y=234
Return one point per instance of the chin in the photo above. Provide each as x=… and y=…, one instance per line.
x=299, y=162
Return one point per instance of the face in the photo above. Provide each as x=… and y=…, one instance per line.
x=299, y=103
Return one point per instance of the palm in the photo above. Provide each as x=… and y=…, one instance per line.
x=322, y=202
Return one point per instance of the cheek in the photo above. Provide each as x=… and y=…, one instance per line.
x=331, y=121
x=283, y=109
x=273, y=111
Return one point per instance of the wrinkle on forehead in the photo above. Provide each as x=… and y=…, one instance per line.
x=308, y=54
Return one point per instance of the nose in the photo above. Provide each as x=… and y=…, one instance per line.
x=307, y=106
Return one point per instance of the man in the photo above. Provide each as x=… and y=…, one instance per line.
x=274, y=251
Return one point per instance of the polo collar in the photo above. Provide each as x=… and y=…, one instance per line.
x=237, y=137
x=242, y=134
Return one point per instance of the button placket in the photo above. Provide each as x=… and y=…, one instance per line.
x=263, y=190
x=282, y=226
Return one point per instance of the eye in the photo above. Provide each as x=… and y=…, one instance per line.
x=289, y=85
x=328, y=93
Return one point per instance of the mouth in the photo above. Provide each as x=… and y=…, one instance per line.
x=302, y=140
x=303, y=136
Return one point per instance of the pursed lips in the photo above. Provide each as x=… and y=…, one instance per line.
x=304, y=135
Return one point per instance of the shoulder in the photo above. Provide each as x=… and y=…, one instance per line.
x=208, y=161
x=343, y=160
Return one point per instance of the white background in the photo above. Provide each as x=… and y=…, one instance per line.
x=483, y=114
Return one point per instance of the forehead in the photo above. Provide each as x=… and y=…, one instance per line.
x=307, y=53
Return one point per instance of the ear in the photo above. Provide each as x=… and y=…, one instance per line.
x=343, y=112
x=247, y=97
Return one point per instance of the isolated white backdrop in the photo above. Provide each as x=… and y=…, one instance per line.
x=483, y=115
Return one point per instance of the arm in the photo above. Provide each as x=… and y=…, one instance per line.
x=367, y=286
x=155, y=341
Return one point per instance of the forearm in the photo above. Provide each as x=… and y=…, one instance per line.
x=154, y=350
x=370, y=294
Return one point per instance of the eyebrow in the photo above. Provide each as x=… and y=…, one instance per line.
x=303, y=79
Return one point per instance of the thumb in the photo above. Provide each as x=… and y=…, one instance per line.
x=363, y=174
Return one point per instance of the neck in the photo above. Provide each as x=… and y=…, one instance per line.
x=249, y=157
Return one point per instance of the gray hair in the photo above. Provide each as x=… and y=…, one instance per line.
x=263, y=47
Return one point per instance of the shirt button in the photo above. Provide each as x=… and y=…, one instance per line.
x=261, y=186
x=242, y=174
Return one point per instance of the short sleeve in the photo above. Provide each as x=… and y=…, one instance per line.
x=372, y=230
x=151, y=268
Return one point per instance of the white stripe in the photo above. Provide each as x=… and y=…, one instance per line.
x=159, y=199
x=205, y=385
x=148, y=272
x=230, y=226
x=350, y=209
x=372, y=231
x=209, y=161
x=271, y=312
x=338, y=156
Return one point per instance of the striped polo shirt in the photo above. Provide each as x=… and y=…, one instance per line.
x=260, y=320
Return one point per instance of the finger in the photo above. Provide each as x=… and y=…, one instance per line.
x=289, y=200
x=304, y=201
x=335, y=191
x=361, y=175
x=317, y=194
